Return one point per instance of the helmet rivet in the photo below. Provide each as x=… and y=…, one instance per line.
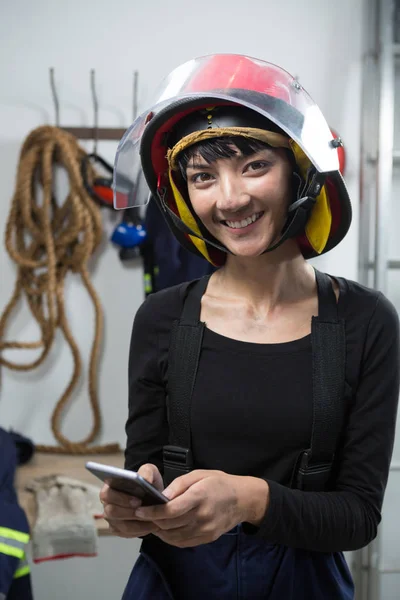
x=336, y=143
x=296, y=85
x=209, y=115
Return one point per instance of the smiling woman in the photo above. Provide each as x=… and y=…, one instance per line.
x=240, y=189
x=263, y=398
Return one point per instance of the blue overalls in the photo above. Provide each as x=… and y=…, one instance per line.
x=237, y=567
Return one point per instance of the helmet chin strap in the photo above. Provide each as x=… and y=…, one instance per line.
x=179, y=224
x=298, y=211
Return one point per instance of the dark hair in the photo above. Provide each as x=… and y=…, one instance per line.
x=219, y=147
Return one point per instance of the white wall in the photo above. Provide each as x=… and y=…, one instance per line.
x=318, y=40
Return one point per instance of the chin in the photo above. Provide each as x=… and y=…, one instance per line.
x=251, y=251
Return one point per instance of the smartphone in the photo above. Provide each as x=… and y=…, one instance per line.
x=128, y=482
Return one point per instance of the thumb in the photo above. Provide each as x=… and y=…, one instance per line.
x=147, y=471
x=184, y=482
x=151, y=473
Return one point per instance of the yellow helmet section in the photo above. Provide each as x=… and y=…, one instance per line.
x=189, y=220
x=319, y=222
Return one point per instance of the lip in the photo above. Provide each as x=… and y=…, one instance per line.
x=242, y=230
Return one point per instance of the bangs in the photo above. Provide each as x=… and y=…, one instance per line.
x=216, y=148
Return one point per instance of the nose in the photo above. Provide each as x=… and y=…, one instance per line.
x=231, y=195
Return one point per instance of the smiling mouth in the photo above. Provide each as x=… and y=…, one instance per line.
x=244, y=222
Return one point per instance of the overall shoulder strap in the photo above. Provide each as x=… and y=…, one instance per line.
x=183, y=360
x=328, y=367
x=314, y=467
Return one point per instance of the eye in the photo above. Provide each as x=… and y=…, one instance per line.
x=201, y=178
x=257, y=165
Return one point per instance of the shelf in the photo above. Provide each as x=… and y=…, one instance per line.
x=102, y=133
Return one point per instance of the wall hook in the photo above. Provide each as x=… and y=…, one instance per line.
x=95, y=110
x=94, y=133
x=135, y=94
x=55, y=97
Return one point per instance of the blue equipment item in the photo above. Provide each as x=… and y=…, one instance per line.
x=131, y=236
x=130, y=233
x=15, y=582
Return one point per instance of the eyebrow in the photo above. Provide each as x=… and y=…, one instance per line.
x=204, y=166
x=199, y=166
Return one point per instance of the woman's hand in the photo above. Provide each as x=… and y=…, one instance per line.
x=119, y=508
x=204, y=505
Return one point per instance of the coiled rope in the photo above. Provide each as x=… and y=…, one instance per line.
x=46, y=242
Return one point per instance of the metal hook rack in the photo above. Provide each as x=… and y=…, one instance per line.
x=94, y=133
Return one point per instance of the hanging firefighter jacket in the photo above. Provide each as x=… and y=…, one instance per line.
x=173, y=264
x=15, y=581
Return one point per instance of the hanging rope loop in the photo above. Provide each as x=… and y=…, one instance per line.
x=48, y=240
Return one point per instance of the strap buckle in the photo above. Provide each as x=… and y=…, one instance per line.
x=177, y=461
x=312, y=477
x=305, y=202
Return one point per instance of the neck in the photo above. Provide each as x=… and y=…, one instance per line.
x=280, y=276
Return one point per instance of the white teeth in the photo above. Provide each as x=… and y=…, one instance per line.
x=244, y=222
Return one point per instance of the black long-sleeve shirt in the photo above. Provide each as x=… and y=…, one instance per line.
x=252, y=415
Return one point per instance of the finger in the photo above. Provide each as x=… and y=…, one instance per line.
x=182, y=502
x=113, y=528
x=119, y=513
x=129, y=535
x=173, y=509
x=151, y=473
x=184, y=482
x=185, y=520
x=148, y=472
x=132, y=528
x=110, y=496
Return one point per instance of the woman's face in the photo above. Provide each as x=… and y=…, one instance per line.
x=242, y=200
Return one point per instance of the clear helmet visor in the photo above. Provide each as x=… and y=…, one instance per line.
x=229, y=78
